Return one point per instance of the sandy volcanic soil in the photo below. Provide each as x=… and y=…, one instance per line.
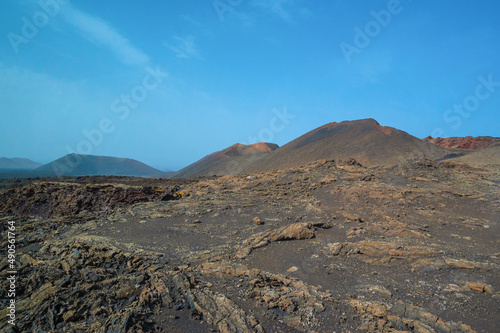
x=328, y=247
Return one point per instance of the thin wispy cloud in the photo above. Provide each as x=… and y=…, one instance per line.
x=184, y=47
x=102, y=33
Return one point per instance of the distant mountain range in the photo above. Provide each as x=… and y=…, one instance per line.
x=90, y=165
x=73, y=165
x=18, y=164
x=364, y=140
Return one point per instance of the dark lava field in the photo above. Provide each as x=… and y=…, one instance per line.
x=331, y=246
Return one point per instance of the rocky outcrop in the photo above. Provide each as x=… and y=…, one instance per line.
x=387, y=254
x=381, y=253
x=294, y=231
x=216, y=308
x=85, y=285
x=300, y=304
x=69, y=199
x=384, y=317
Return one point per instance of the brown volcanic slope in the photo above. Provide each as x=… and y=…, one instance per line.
x=468, y=142
x=228, y=161
x=488, y=157
x=365, y=140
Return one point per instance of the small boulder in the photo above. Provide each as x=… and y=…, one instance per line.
x=293, y=231
x=481, y=287
x=258, y=220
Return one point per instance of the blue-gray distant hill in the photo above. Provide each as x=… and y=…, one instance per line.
x=74, y=165
x=18, y=164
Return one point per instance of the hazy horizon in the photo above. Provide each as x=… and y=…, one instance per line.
x=168, y=83
x=161, y=169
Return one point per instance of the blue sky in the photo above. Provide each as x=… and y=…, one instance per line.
x=238, y=71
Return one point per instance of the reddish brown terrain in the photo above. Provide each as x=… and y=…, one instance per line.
x=331, y=245
x=467, y=142
x=365, y=140
x=228, y=161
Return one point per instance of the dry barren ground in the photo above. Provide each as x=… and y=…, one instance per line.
x=328, y=247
